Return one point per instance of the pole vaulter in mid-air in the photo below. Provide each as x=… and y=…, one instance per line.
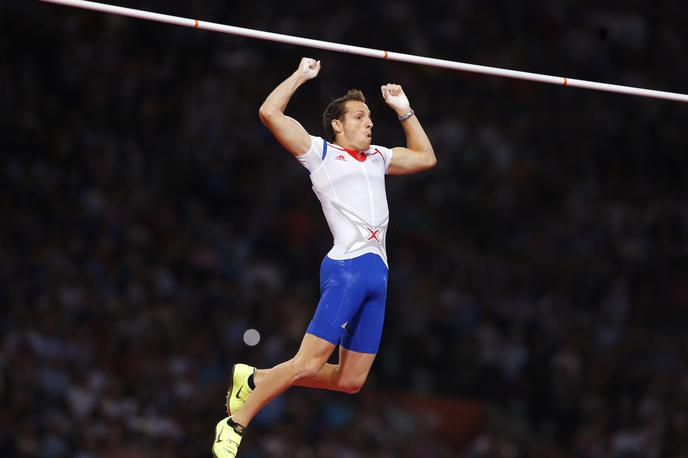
x=348, y=175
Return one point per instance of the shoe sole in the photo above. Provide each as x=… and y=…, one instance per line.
x=217, y=433
x=229, y=392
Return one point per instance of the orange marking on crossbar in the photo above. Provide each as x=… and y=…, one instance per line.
x=566, y=81
x=195, y=23
x=386, y=55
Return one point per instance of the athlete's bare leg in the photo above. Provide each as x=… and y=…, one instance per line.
x=347, y=376
x=309, y=360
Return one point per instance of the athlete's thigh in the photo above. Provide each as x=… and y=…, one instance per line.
x=363, y=332
x=341, y=296
x=314, y=348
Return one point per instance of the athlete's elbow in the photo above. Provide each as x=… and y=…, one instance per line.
x=429, y=161
x=266, y=113
x=432, y=161
x=421, y=163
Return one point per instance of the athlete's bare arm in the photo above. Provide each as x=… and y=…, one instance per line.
x=418, y=154
x=288, y=132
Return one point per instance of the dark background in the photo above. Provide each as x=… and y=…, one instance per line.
x=147, y=219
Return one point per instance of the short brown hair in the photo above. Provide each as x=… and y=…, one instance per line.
x=336, y=110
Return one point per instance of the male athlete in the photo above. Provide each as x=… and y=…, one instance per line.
x=348, y=176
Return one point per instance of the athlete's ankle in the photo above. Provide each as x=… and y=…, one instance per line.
x=258, y=377
x=236, y=426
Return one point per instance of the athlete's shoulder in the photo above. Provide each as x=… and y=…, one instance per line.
x=313, y=158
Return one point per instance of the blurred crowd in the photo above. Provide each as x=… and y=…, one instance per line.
x=148, y=220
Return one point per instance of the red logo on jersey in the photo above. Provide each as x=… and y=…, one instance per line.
x=373, y=235
x=340, y=158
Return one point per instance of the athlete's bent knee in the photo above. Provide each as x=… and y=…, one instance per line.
x=351, y=388
x=352, y=385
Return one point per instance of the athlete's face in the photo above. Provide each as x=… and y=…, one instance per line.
x=356, y=126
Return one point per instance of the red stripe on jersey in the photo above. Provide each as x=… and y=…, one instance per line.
x=360, y=156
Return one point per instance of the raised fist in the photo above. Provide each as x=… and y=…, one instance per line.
x=309, y=67
x=396, y=99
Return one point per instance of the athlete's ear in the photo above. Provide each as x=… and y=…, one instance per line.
x=337, y=126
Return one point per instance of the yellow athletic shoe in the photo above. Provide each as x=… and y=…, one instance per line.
x=238, y=388
x=227, y=440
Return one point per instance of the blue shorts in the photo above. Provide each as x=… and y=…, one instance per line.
x=352, y=302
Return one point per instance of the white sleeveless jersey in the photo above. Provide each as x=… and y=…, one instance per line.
x=351, y=188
